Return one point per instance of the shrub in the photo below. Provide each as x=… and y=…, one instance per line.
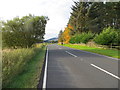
x=82, y=38
x=107, y=37
x=117, y=37
x=72, y=40
x=75, y=39
x=86, y=37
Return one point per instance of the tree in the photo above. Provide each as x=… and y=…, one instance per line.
x=104, y=15
x=94, y=16
x=24, y=32
x=66, y=35
x=60, y=37
x=79, y=16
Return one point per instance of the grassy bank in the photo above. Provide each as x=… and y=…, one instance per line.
x=107, y=52
x=22, y=67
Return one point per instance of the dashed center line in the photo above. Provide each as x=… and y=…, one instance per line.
x=71, y=54
x=105, y=71
x=81, y=59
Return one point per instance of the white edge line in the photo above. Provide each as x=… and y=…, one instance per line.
x=71, y=54
x=45, y=72
x=95, y=54
x=105, y=71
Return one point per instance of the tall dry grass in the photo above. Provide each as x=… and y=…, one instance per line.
x=13, y=62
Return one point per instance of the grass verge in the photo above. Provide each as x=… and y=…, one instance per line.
x=29, y=77
x=107, y=52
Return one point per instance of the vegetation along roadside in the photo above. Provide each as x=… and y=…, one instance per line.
x=25, y=72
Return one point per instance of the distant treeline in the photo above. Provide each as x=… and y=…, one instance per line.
x=93, y=20
x=23, y=32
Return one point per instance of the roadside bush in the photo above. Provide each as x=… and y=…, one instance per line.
x=82, y=38
x=107, y=37
x=86, y=37
x=72, y=40
x=75, y=39
x=13, y=62
x=117, y=38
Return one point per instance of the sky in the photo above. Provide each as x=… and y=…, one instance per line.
x=58, y=11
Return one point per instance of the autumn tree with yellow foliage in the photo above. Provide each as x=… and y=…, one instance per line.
x=65, y=35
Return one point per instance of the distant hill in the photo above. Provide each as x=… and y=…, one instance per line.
x=51, y=39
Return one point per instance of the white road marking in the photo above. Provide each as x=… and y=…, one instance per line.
x=105, y=71
x=45, y=72
x=70, y=53
x=96, y=54
x=81, y=59
x=60, y=48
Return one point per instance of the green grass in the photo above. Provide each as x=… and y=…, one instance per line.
x=30, y=76
x=107, y=52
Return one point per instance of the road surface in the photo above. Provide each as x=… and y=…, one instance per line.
x=71, y=68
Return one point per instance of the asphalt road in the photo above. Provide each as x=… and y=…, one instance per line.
x=71, y=68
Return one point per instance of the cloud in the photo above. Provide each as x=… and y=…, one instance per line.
x=58, y=12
